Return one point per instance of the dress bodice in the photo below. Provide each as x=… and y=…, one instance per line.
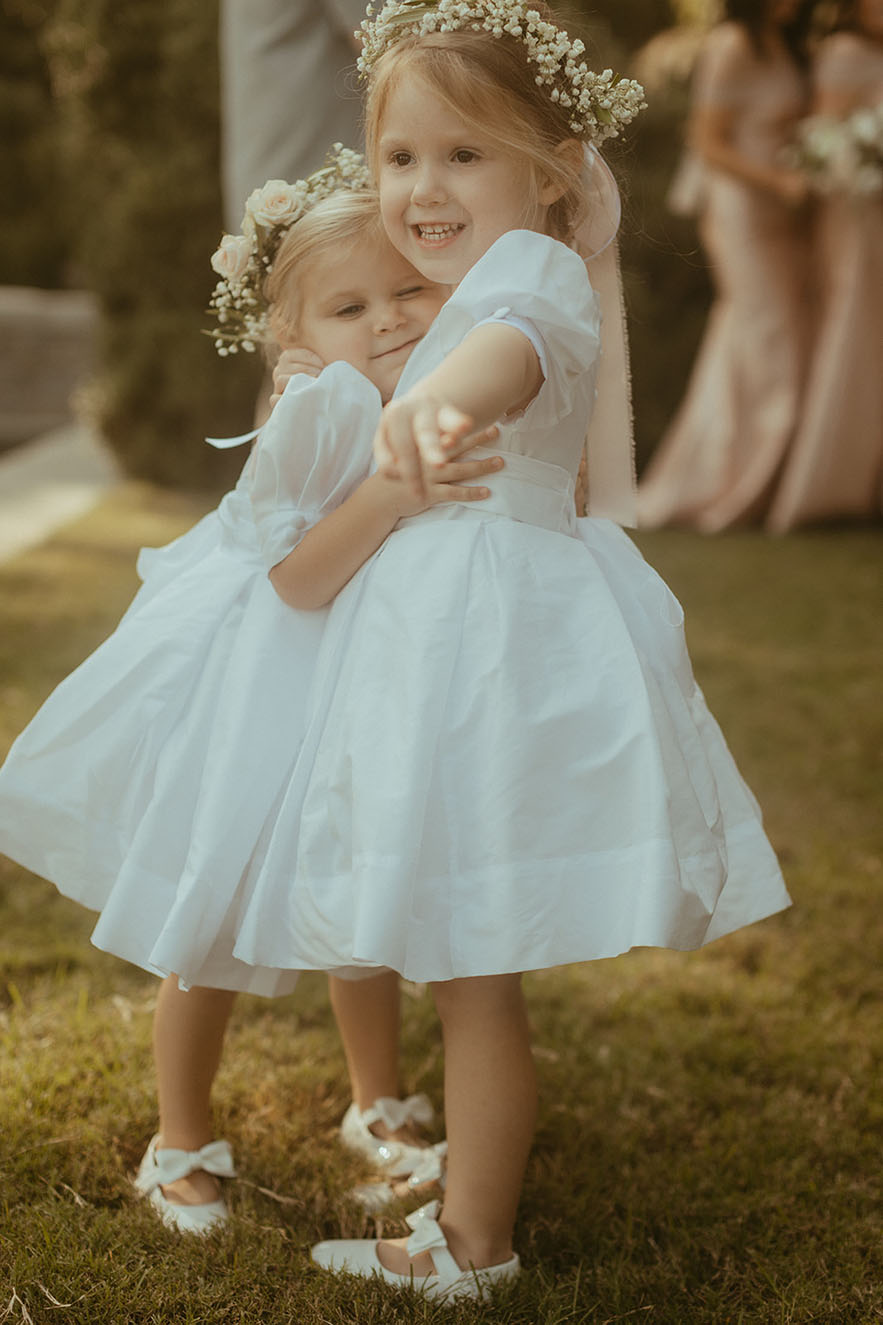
x=540, y=286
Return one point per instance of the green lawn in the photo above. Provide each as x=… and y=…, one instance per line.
x=711, y=1124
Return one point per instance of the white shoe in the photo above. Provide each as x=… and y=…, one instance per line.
x=159, y=1167
x=394, y=1157
x=448, y=1283
x=376, y=1196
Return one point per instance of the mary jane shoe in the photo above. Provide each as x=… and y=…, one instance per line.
x=447, y=1284
x=162, y=1166
x=394, y=1157
x=376, y=1196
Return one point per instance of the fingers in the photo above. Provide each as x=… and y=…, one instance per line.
x=452, y=426
x=443, y=492
x=458, y=471
x=294, y=361
x=484, y=437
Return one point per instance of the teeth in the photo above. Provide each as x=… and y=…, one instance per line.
x=436, y=231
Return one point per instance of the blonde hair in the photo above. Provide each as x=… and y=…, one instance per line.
x=488, y=82
x=338, y=221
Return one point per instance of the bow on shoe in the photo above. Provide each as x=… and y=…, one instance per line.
x=395, y=1113
x=428, y=1234
x=169, y=1165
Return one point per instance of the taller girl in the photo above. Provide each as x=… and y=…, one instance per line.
x=509, y=764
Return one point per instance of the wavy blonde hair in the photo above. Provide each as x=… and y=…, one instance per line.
x=336, y=222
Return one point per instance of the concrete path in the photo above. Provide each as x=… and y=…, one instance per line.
x=46, y=483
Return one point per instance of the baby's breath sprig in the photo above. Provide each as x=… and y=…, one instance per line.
x=599, y=104
x=244, y=261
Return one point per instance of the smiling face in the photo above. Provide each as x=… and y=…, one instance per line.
x=367, y=306
x=447, y=192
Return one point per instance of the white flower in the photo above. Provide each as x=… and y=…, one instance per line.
x=274, y=204
x=230, y=260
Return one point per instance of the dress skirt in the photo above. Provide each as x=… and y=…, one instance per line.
x=508, y=764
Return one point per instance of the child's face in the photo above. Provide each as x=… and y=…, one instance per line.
x=367, y=306
x=446, y=192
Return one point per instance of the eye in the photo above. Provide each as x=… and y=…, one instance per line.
x=410, y=291
x=350, y=310
x=400, y=159
x=465, y=155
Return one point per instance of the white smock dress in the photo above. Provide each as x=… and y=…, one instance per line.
x=508, y=763
x=141, y=786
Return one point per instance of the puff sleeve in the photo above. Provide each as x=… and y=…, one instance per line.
x=539, y=286
x=312, y=452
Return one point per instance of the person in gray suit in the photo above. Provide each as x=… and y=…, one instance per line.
x=288, y=90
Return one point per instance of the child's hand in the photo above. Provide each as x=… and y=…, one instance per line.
x=449, y=481
x=289, y=364
x=416, y=434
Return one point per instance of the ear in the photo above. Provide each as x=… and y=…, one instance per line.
x=570, y=152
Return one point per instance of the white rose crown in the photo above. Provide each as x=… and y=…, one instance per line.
x=243, y=261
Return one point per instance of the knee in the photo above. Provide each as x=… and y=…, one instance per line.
x=477, y=997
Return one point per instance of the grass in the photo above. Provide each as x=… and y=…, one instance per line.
x=711, y=1123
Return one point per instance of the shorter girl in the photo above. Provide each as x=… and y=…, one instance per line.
x=141, y=786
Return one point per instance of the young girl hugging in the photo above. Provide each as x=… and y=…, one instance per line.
x=508, y=764
x=141, y=786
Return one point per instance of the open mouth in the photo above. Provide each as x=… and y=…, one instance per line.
x=440, y=232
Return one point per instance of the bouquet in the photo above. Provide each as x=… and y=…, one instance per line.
x=842, y=156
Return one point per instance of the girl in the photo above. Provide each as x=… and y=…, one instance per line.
x=835, y=465
x=508, y=763
x=140, y=787
x=717, y=462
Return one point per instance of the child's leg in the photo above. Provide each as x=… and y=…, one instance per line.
x=367, y=1013
x=188, y=1035
x=490, y=1115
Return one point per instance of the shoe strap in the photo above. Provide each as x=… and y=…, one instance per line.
x=169, y=1165
x=428, y=1235
x=395, y=1113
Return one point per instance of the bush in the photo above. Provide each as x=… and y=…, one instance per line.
x=33, y=243
x=137, y=88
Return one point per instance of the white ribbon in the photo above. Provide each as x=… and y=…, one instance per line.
x=395, y=1113
x=428, y=1234
x=227, y=443
x=215, y=1158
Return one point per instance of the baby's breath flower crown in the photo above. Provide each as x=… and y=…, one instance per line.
x=599, y=105
x=243, y=262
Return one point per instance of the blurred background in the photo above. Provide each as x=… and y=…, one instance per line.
x=110, y=175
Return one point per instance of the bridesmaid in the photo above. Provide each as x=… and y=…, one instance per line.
x=835, y=467
x=716, y=464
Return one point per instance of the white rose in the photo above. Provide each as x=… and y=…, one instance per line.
x=274, y=204
x=865, y=127
x=232, y=257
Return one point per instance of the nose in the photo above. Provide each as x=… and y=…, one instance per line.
x=390, y=315
x=429, y=189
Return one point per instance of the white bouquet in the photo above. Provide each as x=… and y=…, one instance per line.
x=842, y=155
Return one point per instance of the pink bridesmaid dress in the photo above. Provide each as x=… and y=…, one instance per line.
x=716, y=463
x=835, y=466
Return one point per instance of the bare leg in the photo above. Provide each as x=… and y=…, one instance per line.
x=490, y=1113
x=188, y=1035
x=367, y=1013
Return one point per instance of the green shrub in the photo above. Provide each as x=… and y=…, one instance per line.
x=138, y=89
x=34, y=240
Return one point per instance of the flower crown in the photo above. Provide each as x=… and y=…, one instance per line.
x=244, y=261
x=599, y=104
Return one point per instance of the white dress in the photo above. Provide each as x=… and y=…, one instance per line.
x=508, y=764
x=142, y=784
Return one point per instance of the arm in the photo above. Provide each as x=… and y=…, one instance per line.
x=710, y=136
x=333, y=550
x=493, y=372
